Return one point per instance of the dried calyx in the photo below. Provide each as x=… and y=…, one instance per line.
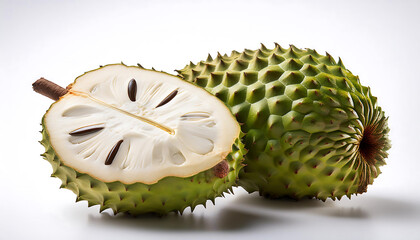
x=372, y=148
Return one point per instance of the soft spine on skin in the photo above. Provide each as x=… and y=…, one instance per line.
x=304, y=117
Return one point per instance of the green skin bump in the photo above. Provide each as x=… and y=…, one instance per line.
x=311, y=129
x=171, y=194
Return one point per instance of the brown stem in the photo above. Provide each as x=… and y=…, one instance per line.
x=221, y=170
x=48, y=89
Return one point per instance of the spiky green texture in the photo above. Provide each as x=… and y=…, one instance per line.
x=303, y=115
x=171, y=194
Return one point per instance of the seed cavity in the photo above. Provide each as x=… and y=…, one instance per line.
x=168, y=98
x=80, y=111
x=178, y=158
x=195, y=116
x=113, y=153
x=132, y=90
x=87, y=130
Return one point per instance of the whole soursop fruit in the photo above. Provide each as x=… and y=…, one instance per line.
x=140, y=141
x=311, y=128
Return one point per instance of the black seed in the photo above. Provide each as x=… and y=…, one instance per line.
x=86, y=130
x=113, y=153
x=132, y=90
x=167, y=99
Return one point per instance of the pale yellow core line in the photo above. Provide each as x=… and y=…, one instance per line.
x=143, y=119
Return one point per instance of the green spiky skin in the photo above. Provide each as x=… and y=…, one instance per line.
x=304, y=116
x=171, y=194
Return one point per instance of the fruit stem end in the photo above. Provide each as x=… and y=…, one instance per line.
x=48, y=89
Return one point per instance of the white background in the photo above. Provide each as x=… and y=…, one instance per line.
x=59, y=40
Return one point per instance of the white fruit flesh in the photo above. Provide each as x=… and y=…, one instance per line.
x=188, y=134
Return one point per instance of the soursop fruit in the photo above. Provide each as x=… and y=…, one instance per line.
x=311, y=129
x=140, y=141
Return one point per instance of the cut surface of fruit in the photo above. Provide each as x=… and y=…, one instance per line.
x=128, y=124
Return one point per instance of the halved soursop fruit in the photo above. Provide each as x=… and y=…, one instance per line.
x=311, y=128
x=140, y=141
